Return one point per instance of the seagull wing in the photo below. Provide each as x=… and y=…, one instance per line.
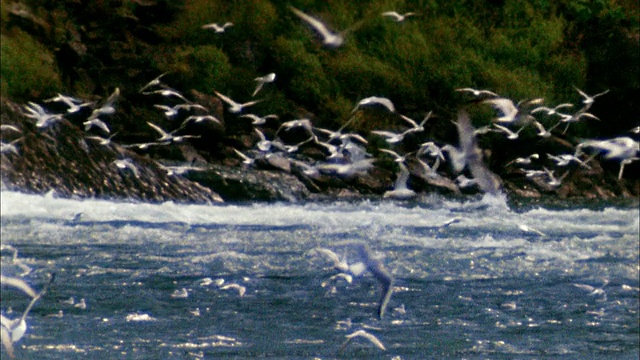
x=160, y=131
x=381, y=274
x=393, y=14
x=315, y=23
x=226, y=99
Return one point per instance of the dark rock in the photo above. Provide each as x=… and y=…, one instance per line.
x=61, y=158
x=240, y=184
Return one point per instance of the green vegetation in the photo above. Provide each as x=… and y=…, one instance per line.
x=520, y=49
x=28, y=68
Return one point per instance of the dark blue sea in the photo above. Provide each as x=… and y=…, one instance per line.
x=470, y=282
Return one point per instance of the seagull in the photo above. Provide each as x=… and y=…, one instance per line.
x=373, y=100
x=107, y=107
x=97, y=123
x=478, y=93
x=328, y=38
x=180, y=294
x=464, y=182
x=398, y=17
x=340, y=263
x=396, y=157
x=342, y=136
x=82, y=304
x=589, y=99
x=26, y=270
x=391, y=137
x=553, y=181
x=166, y=137
x=126, y=164
x=486, y=179
x=69, y=301
x=524, y=160
x=241, y=289
x=346, y=277
x=572, y=118
x=10, y=147
x=362, y=333
x=74, y=105
x=143, y=146
x=171, y=111
x=42, y=117
x=456, y=158
x=199, y=119
x=415, y=127
x=348, y=170
x=235, y=107
x=7, y=127
x=303, y=123
x=592, y=290
x=218, y=28
x=512, y=113
x=12, y=330
x=534, y=173
x=269, y=78
x=430, y=148
x=245, y=159
x=384, y=277
x=451, y=221
x=168, y=93
x=526, y=228
x=566, y=159
x=154, y=82
x=400, y=189
x=551, y=111
x=510, y=134
x=259, y=120
x=542, y=132
x=624, y=149
x=265, y=145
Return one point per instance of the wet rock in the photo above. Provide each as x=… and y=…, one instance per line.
x=61, y=157
x=242, y=184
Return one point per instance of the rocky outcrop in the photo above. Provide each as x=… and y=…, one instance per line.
x=61, y=157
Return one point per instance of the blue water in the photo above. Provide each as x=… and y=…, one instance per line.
x=480, y=288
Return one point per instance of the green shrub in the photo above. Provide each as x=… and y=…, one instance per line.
x=28, y=69
x=204, y=67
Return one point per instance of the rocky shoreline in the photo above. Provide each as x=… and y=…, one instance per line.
x=72, y=163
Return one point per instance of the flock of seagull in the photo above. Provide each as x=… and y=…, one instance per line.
x=346, y=153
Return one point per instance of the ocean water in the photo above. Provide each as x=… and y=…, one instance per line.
x=478, y=288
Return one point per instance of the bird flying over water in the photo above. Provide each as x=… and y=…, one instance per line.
x=487, y=181
x=384, y=277
x=363, y=334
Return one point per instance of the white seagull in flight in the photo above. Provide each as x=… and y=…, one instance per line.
x=398, y=17
x=218, y=28
x=328, y=38
x=373, y=100
x=384, y=277
x=269, y=78
x=235, y=107
x=361, y=333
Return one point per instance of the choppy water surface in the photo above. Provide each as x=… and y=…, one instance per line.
x=479, y=288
